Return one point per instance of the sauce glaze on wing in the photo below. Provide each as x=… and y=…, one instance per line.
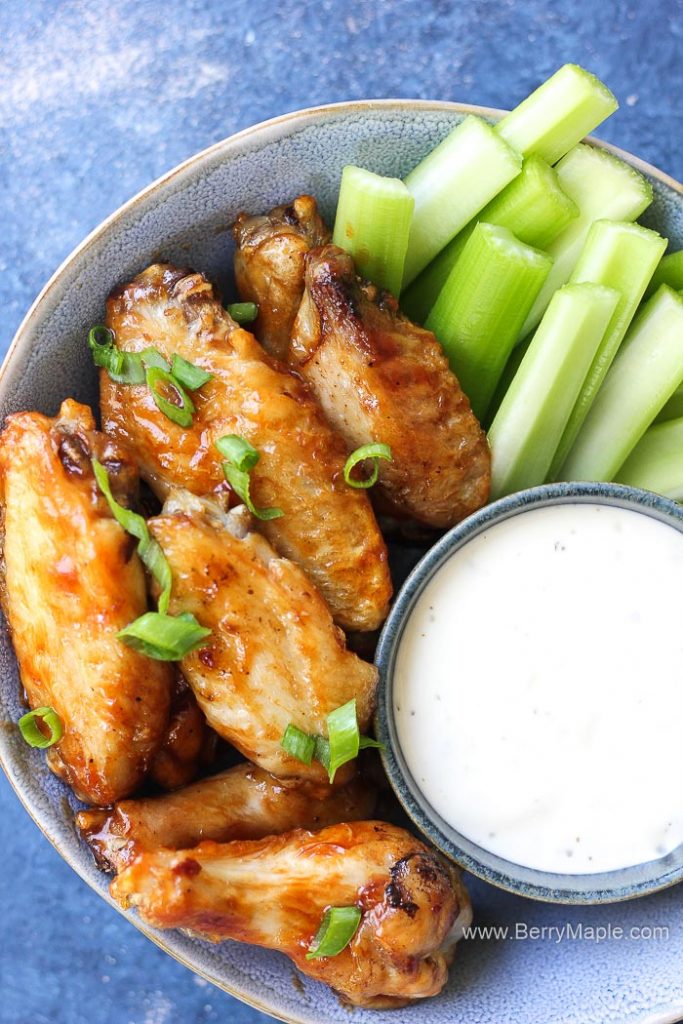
x=72, y=579
x=328, y=528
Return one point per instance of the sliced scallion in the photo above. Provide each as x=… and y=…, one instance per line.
x=341, y=745
x=242, y=458
x=298, y=744
x=122, y=367
x=374, y=451
x=153, y=357
x=180, y=411
x=243, y=312
x=164, y=637
x=338, y=927
x=189, y=375
x=30, y=727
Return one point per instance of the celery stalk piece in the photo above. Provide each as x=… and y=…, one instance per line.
x=604, y=188
x=673, y=410
x=506, y=378
x=480, y=308
x=533, y=207
x=622, y=256
x=561, y=112
x=656, y=462
x=533, y=414
x=645, y=373
x=669, y=271
x=451, y=185
x=373, y=225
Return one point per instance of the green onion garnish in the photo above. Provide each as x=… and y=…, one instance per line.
x=367, y=451
x=34, y=735
x=149, y=549
x=343, y=743
x=299, y=744
x=243, y=312
x=153, y=357
x=338, y=927
x=189, y=375
x=164, y=637
x=179, y=412
x=122, y=367
x=242, y=458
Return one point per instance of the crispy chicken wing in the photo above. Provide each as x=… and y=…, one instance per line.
x=274, y=655
x=182, y=752
x=72, y=579
x=380, y=377
x=273, y=892
x=269, y=265
x=242, y=803
x=327, y=527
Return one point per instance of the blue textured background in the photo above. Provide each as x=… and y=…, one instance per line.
x=96, y=100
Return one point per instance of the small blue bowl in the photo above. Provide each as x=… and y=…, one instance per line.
x=604, y=887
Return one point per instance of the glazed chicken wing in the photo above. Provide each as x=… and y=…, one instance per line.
x=274, y=892
x=242, y=803
x=327, y=527
x=186, y=741
x=269, y=266
x=72, y=579
x=274, y=656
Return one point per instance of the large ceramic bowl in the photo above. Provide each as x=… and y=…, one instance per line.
x=184, y=217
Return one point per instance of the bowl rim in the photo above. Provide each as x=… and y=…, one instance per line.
x=546, y=886
x=270, y=129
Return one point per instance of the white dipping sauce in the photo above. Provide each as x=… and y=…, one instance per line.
x=538, y=689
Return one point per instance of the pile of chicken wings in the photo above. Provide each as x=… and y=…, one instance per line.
x=260, y=851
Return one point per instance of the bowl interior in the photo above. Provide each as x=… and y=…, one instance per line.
x=185, y=218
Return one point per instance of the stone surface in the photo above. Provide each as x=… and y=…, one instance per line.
x=96, y=100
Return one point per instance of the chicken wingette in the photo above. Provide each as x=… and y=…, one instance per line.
x=187, y=741
x=274, y=892
x=378, y=376
x=327, y=527
x=269, y=266
x=243, y=802
x=72, y=579
x=274, y=657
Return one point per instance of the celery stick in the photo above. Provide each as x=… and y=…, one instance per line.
x=373, y=224
x=480, y=308
x=452, y=184
x=669, y=271
x=561, y=112
x=529, y=423
x=622, y=256
x=645, y=374
x=533, y=207
x=506, y=378
x=603, y=188
x=656, y=462
x=673, y=410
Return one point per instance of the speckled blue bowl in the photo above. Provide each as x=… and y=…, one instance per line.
x=603, y=887
x=185, y=217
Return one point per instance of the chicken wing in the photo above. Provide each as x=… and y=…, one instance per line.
x=179, y=759
x=269, y=265
x=275, y=656
x=327, y=527
x=72, y=579
x=273, y=892
x=242, y=803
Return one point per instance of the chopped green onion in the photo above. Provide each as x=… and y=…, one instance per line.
x=100, y=338
x=373, y=224
x=189, y=375
x=152, y=357
x=645, y=373
x=482, y=306
x=242, y=459
x=34, y=735
x=164, y=637
x=656, y=462
x=368, y=743
x=534, y=412
x=451, y=185
x=533, y=207
x=322, y=751
x=180, y=413
x=557, y=115
x=373, y=451
x=149, y=549
x=604, y=188
x=299, y=744
x=669, y=271
x=122, y=367
x=243, y=312
x=338, y=927
x=621, y=256
x=673, y=410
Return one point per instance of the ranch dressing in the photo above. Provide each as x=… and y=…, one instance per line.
x=539, y=689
